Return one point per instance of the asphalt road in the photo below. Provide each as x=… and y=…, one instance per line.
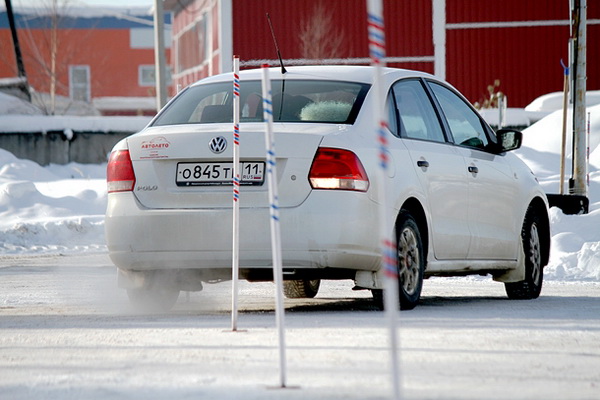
x=67, y=332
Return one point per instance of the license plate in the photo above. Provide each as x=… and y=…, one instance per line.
x=218, y=174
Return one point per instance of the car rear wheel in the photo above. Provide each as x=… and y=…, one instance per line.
x=301, y=289
x=411, y=264
x=531, y=286
x=153, y=299
x=411, y=261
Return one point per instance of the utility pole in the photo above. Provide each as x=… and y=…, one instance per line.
x=578, y=185
x=17, y=47
x=159, y=54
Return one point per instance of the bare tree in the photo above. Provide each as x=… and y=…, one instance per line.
x=54, y=18
x=45, y=51
x=50, y=56
x=319, y=38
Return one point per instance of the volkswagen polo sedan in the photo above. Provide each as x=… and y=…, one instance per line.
x=462, y=202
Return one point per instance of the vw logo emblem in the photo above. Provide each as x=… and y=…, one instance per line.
x=218, y=144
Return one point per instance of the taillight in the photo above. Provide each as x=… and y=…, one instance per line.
x=337, y=169
x=119, y=173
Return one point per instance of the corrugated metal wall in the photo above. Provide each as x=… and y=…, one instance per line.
x=506, y=10
x=526, y=59
x=408, y=28
x=252, y=38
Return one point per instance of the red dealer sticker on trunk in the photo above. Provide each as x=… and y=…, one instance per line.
x=155, y=148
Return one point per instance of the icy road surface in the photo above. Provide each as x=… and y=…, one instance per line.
x=67, y=332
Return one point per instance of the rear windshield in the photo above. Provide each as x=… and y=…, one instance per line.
x=293, y=101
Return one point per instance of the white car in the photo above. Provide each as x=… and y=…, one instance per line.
x=462, y=203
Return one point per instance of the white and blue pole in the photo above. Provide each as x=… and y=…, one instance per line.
x=376, y=29
x=274, y=217
x=235, y=267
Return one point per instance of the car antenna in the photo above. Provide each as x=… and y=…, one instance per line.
x=283, y=70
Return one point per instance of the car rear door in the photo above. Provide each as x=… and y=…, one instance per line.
x=440, y=168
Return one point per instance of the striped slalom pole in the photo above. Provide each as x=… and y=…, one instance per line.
x=235, y=267
x=376, y=31
x=274, y=214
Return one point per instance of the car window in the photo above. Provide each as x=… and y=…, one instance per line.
x=293, y=101
x=465, y=125
x=391, y=112
x=417, y=117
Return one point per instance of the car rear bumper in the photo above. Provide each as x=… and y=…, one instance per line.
x=330, y=229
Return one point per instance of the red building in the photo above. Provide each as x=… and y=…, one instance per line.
x=470, y=43
x=101, y=57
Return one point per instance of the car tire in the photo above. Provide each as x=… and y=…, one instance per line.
x=411, y=261
x=153, y=299
x=411, y=264
x=531, y=286
x=301, y=289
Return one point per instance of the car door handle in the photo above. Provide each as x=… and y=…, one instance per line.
x=473, y=169
x=422, y=164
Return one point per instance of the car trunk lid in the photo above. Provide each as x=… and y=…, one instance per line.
x=157, y=151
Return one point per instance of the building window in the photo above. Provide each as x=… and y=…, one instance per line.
x=79, y=83
x=192, y=45
x=143, y=38
x=147, y=75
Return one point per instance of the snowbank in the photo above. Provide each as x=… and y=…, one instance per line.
x=47, y=123
x=124, y=103
x=554, y=101
x=513, y=116
x=536, y=110
x=15, y=106
x=55, y=209
x=575, y=238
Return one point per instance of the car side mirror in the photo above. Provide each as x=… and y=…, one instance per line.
x=509, y=139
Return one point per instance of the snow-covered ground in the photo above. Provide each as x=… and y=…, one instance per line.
x=60, y=208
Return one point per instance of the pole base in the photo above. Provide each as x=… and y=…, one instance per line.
x=570, y=204
x=294, y=387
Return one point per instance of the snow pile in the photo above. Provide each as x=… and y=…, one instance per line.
x=59, y=208
x=554, y=101
x=512, y=117
x=536, y=110
x=575, y=238
x=62, y=105
x=47, y=123
x=575, y=246
x=124, y=103
x=12, y=105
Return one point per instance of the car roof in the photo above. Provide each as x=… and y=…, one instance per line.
x=319, y=72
